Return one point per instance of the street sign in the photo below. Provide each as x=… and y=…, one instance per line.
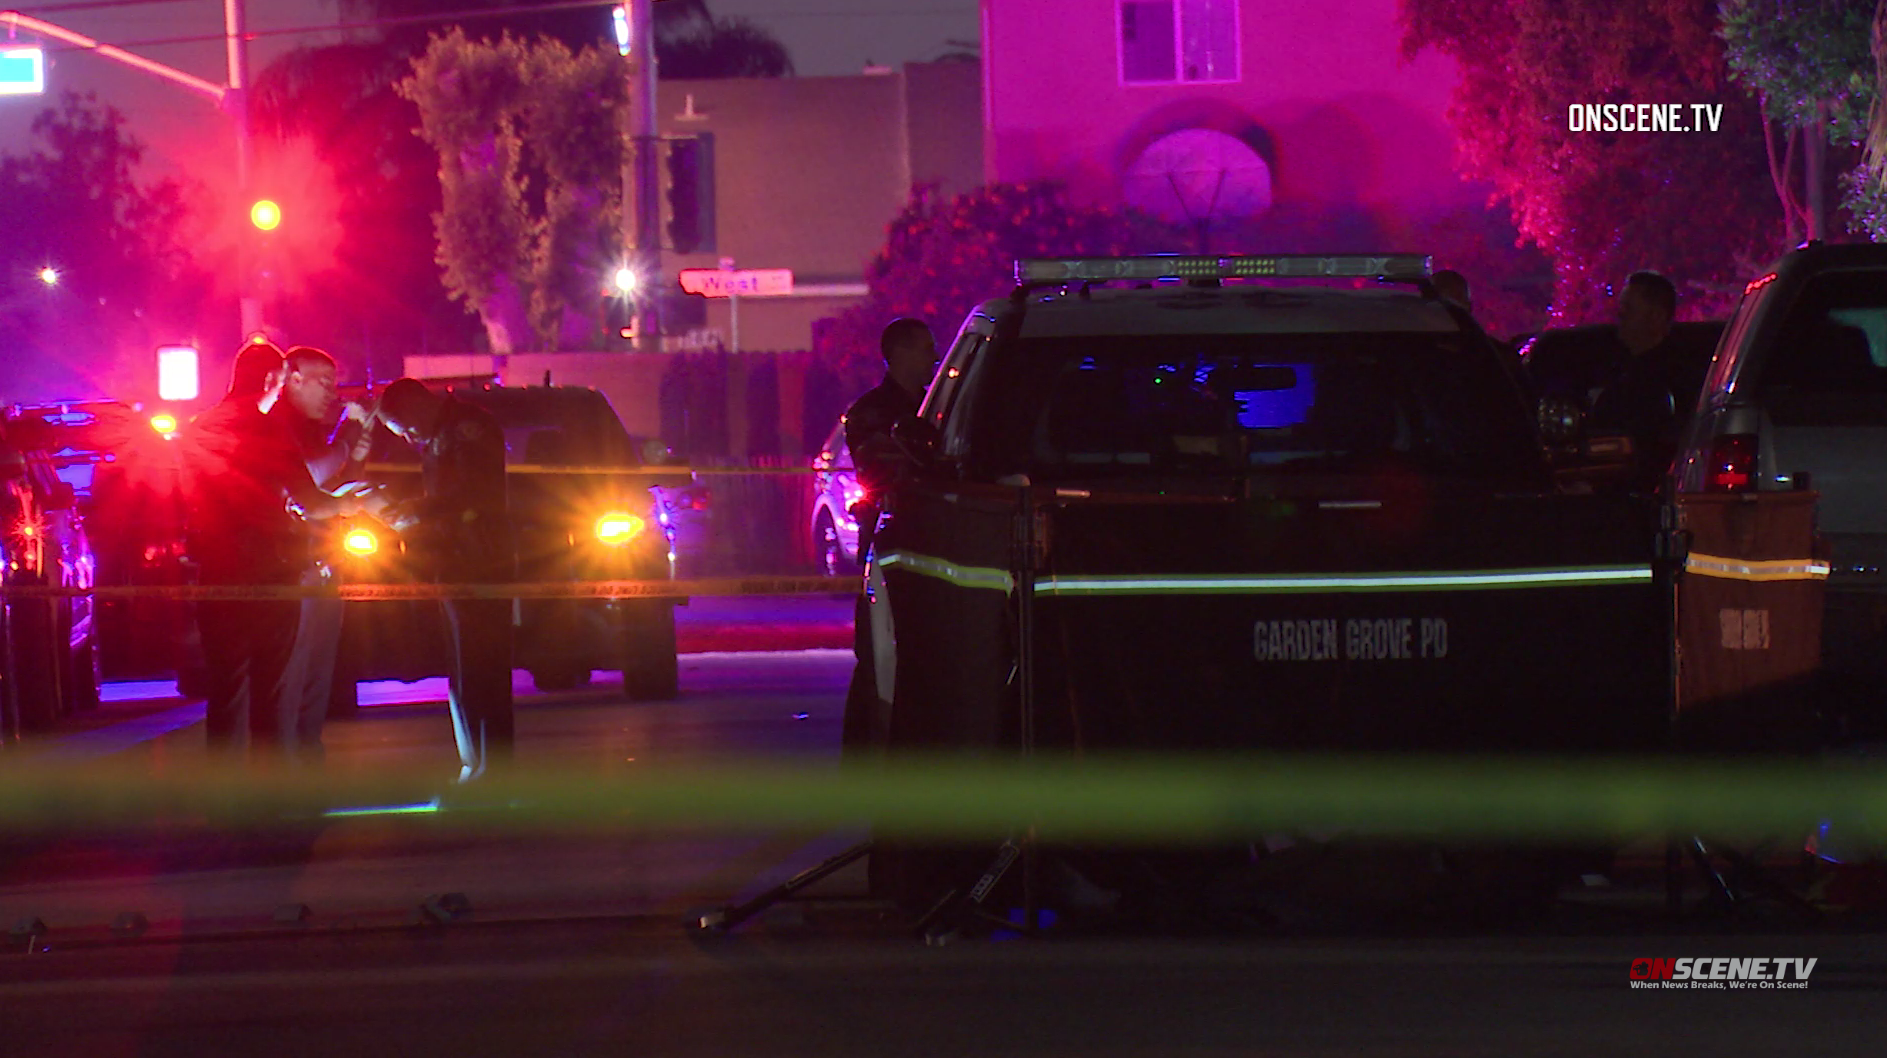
x=745, y=283
x=22, y=72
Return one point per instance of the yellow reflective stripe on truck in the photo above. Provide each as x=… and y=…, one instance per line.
x=1274, y=584
x=1747, y=569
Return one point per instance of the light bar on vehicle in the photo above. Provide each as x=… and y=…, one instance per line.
x=1274, y=266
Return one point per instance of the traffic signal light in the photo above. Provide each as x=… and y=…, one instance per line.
x=691, y=194
x=265, y=214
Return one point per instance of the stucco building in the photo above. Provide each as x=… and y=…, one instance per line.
x=1291, y=124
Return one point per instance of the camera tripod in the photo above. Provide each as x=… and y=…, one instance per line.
x=964, y=904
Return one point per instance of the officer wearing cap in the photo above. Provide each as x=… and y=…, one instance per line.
x=461, y=525
x=244, y=470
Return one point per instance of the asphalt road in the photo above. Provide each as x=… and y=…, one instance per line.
x=331, y=938
x=636, y=988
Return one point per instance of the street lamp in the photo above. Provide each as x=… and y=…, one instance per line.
x=626, y=280
x=49, y=276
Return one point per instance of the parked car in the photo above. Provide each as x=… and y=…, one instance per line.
x=578, y=525
x=835, y=489
x=1797, y=399
x=48, y=645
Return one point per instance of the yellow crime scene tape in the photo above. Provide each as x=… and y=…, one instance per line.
x=1145, y=799
x=586, y=589
x=646, y=471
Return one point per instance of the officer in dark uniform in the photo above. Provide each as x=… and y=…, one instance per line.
x=461, y=526
x=243, y=471
x=910, y=355
x=1654, y=385
x=335, y=456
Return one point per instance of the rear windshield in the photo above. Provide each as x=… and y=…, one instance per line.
x=549, y=428
x=1834, y=338
x=1289, y=403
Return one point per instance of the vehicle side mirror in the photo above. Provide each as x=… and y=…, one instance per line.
x=63, y=497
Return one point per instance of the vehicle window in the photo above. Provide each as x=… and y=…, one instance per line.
x=1315, y=403
x=961, y=401
x=571, y=430
x=1834, y=339
x=943, y=390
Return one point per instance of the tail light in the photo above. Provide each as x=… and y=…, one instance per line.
x=1732, y=464
x=617, y=527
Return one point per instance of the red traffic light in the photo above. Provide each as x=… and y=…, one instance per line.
x=265, y=214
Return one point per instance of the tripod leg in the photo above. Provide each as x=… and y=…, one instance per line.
x=733, y=915
x=947, y=917
x=1700, y=855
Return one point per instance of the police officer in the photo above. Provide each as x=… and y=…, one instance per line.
x=1654, y=385
x=243, y=471
x=335, y=456
x=461, y=522
x=910, y=355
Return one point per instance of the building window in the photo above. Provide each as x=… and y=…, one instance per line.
x=1173, y=41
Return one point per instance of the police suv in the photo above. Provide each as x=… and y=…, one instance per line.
x=1272, y=503
x=1796, y=400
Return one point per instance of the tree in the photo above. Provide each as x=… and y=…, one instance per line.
x=943, y=256
x=710, y=47
x=530, y=164
x=1808, y=62
x=1867, y=185
x=331, y=114
x=1602, y=204
x=690, y=42
x=126, y=279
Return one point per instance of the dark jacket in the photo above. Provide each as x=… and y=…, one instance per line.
x=241, y=468
x=869, y=423
x=1648, y=397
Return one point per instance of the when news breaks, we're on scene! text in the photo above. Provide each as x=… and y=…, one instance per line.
x=1722, y=973
x=1644, y=117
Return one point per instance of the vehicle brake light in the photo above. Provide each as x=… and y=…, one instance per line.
x=618, y=527
x=165, y=424
x=360, y=541
x=1732, y=464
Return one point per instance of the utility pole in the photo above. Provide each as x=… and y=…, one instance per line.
x=648, y=203
x=236, y=102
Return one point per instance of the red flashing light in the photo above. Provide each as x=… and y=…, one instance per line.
x=1732, y=464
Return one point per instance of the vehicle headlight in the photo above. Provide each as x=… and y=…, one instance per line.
x=618, y=527
x=360, y=541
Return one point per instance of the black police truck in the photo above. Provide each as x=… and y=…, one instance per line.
x=1264, y=510
x=1286, y=503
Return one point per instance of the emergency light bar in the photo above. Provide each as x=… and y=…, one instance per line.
x=1275, y=266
